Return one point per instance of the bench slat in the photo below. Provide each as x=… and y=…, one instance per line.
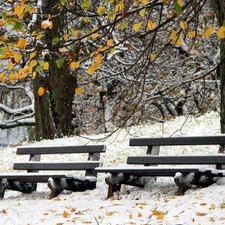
x=154, y=160
x=57, y=166
x=60, y=149
x=191, y=140
x=157, y=171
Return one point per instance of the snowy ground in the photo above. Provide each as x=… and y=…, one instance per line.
x=155, y=204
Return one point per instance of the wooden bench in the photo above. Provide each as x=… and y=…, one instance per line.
x=186, y=170
x=26, y=182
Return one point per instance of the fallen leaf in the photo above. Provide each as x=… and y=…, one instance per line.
x=66, y=214
x=200, y=214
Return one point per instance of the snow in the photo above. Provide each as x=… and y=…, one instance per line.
x=156, y=204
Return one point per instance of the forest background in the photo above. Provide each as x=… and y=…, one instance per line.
x=73, y=67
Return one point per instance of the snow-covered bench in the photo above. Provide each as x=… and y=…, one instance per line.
x=26, y=181
x=186, y=170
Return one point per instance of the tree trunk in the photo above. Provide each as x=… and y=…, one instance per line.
x=219, y=9
x=53, y=110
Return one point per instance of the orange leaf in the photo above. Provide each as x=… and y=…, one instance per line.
x=139, y=215
x=66, y=214
x=160, y=217
x=78, y=91
x=99, y=58
x=110, y=42
x=41, y=91
x=74, y=65
x=22, y=43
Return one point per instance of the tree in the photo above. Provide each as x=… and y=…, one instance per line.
x=137, y=59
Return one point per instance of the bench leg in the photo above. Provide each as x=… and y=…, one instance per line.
x=57, y=185
x=113, y=187
x=24, y=187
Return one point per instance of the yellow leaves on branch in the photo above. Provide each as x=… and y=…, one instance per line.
x=176, y=37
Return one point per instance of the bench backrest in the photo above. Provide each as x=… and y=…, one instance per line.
x=35, y=152
x=154, y=143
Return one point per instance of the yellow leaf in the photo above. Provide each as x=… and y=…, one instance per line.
x=76, y=33
x=101, y=10
x=142, y=12
x=66, y=36
x=180, y=2
x=109, y=213
x=99, y=58
x=86, y=19
x=13, y=77
x=191, y=34
x=74, y=65
x=160, y=217
x=112, y=51
x=41, y=91
x=33, y=63
x=136, y=3
x=46, y=66
x=110, y=42
x=27, y=70
x=34, y=74
x=139, y=215
x=17, y=56
x=32, y=54
x=152, y=57
x=65, y=214
x=176, y=37
x=73, y=210
x=130, y=216
x=137, y=26
x=18, y=10
x=166, y=1
x=144, y=2
x=212, y=207
x=120, y=5
x=201, y=214
x=151, y=25
x=95, y=35
x=46, y=24
x=22, y=43
x=78, y=91
x=183, y=25
x=208, y=32
x=221, y=32
x=91, y=70
x=10, y=66
x=3, y=77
